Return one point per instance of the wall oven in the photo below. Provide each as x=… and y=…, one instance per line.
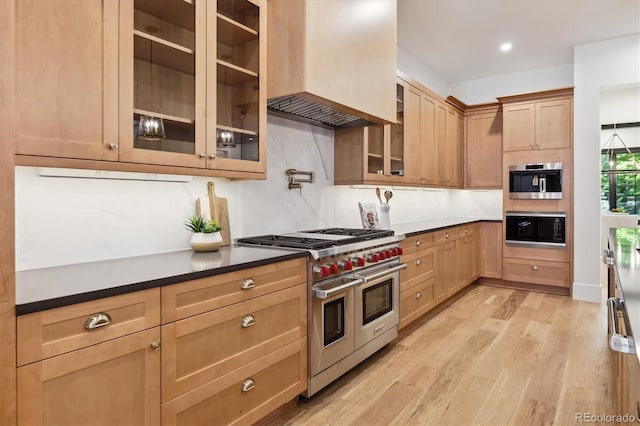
x=536, y=229
x=535, y=181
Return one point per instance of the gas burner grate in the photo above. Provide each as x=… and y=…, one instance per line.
x=291, y=242
x=363, y=234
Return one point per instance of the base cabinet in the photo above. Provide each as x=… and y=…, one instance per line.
x=112, y=383
x=467, y=255
x=417, y=282
x=491, y=249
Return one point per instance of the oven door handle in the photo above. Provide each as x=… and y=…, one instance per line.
x=381, y=274
x=617, y=341
x=323, y=294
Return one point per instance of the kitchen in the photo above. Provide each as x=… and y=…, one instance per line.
x=114, y=209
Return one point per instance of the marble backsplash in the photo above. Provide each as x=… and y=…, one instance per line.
x=63, y=220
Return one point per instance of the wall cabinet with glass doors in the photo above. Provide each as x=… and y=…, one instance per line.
x=199, y=66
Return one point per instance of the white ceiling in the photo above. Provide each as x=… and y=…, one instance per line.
x=460, y=39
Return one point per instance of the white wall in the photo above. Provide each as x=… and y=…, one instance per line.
x=620, y=104
x=69, y=220
x=420, y=72
x=596, y=65
x=486, y=90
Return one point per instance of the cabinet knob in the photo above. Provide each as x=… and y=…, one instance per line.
x=155, y=345
x=534, y=267
x=203, y=155
x=446, y=235
x=212, y=156
x=418, y=242
x=113, y=146
x=418, y=261
x=98, y=320
x=247, y=385
x=247, y=283
x=466, y=230
x=248, y=321
x=418, y=295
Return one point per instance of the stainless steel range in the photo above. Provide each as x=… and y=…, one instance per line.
x=354, y=295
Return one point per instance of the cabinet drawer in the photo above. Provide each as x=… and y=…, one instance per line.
x=416, y=301
x=466, y=230
x=417, y=242
x=276, y=379
x=56, y=331
x=447, y=234
x=420, y=265
x=195, y=297
x=199, y=349
x=537, y=272
x=112, y=383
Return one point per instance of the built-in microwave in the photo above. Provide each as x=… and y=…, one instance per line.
x=535, y=181
x=536, y=229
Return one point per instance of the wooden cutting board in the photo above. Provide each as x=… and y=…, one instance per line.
x=218, y=209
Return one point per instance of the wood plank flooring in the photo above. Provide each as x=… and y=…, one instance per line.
x=492, y=356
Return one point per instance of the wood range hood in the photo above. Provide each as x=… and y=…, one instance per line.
x=332, y=63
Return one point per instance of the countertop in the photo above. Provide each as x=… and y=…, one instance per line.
x=414, y=228
x=46, y=288
x=625, y=243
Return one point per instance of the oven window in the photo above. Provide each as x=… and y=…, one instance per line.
x=377, y=300
x=333, y=321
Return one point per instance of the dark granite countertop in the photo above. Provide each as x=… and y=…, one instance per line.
x=625, y=243
x=410, y=229
x=46, y=288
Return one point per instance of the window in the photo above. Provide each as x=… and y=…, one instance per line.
x=620, y=180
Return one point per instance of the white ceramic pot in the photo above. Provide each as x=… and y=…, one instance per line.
x=206, y=242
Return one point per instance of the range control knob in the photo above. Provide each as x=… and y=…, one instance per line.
x=373, y=257
x=357, y=261
x=394, y=251
x=382, y=255
x=333, y=268
x=345, y=265
x=390, y=253
x=399, y=251
x=321, y=271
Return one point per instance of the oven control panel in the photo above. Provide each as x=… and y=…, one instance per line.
x=348, y=262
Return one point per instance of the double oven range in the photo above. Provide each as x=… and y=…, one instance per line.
x=354, y=295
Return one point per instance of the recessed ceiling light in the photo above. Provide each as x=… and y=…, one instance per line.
x=505, y=47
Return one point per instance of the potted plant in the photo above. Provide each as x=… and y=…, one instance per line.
x=206, y=233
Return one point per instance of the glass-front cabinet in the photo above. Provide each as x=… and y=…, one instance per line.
x=197, y=68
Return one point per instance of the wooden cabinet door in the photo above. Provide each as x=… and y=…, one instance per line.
x=446, y=270
x=553, y=124
x=491, y=249
x=443, y=121
x=519, y=127
x=412, y=135
x=483, y=159
x=458, y=151
x=467, y=259
x=113, y=383
x=429, y=119
x=67, y=78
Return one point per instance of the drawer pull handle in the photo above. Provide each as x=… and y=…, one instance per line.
x=534, y=267
x=248, y=283
x=418, y=261
x=418, y=242
x=418, y=295
x=248, y=385
x=155, y=345
x=248, y=321
x=97, y=320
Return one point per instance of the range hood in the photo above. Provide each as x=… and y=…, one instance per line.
x=332, y=63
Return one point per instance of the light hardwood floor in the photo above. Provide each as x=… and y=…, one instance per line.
x=492, y=356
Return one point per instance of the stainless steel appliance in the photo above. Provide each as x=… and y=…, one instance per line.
x=354, y=295
x=536, y=229
x=535, y=181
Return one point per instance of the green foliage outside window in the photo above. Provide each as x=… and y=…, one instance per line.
x=619, y=181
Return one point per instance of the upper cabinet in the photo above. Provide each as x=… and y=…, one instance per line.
x=66, y=60
x=334, y=53
x=538, y=120
x=112, y=69
x=483, y=156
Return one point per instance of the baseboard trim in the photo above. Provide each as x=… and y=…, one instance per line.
x=587, y=292
x=496, y=282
